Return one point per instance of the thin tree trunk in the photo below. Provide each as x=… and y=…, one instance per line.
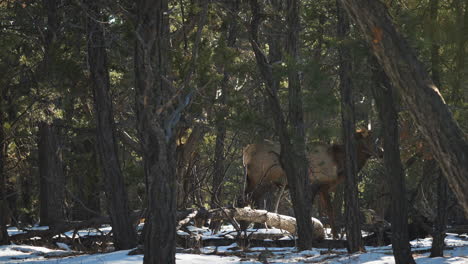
x=52, y=181
x=50, y=7
x=435, y=57
x=353, y=228
x=418, y=93
x=383, y=94
x=337, y=205
x=4, y=214
x=124, y=234
x=156, y=127
x=293, y=162
x=219, y=158
x=438, y=236
x=459, y=89
x=294, y=156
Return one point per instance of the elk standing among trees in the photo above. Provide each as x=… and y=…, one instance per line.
x=326, y=168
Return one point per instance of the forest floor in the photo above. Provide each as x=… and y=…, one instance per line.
x=456, y=252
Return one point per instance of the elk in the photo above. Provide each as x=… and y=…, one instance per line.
x=326, y=168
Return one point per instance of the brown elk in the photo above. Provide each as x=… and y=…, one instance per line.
x=326, y=168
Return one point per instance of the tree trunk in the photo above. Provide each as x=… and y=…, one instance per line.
x=438, y=235
x=353, y=228
x=50, y=37
x=291, y=161
x=219, y=164
x=293, y=155
x=157, y=117
x=419, y=95
x=4, y=214
x=124, y=234
x=383, y=94
x=52, y=181
x=458, y=92
x=337, y=205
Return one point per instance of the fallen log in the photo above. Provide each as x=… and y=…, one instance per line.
x=95, y=222
x=326, y=243
x=284, y=222
x=61, y=228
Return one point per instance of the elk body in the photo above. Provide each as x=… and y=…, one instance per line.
x=326, y=168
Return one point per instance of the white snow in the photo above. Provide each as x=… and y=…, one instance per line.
x=456, y=254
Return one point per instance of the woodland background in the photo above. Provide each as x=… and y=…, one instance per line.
x=51, y=58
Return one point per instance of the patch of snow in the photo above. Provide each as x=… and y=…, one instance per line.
x=63, y=246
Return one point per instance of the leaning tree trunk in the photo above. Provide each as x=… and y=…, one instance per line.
x=383, y=94
x=157, y=116
x=353, y=228
x=3, y=192
x=124, y=234
x=292, y=162
x=418, y=93
x=52, y=181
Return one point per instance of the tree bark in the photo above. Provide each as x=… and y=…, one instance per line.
x=294, y=155
x=294, y=163
x=157, y=117
x=438, y=235
x=418, y=93
x=458, y=93
x=353, y=228
x=50, y=37
x=124, y=234
x=52, y=181
x=4, y=214
x=383, y=94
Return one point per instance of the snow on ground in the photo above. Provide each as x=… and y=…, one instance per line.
x=38, y=255
x=456, y=254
